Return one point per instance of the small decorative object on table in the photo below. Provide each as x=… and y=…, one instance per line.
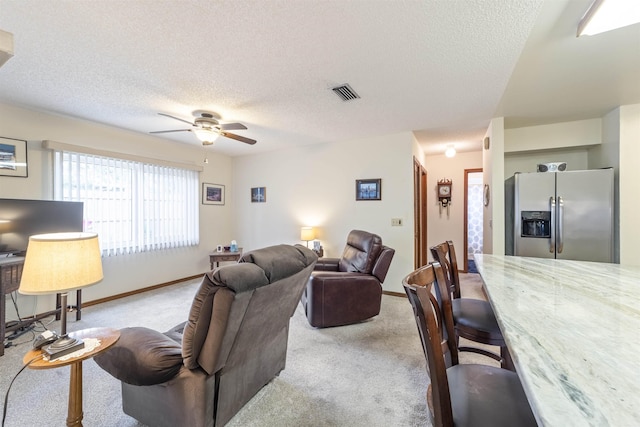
x=317, y=248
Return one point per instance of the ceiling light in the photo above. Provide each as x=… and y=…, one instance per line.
x=207, y=136
x=450, y=151
x=606, y=15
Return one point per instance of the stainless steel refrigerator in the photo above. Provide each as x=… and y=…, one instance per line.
x=564, y=215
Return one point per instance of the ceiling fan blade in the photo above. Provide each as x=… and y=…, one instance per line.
x=176, y=118
x=238, y=138
x=232, y=126
x=175, y=130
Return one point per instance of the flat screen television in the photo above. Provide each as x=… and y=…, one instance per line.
x=20, y=219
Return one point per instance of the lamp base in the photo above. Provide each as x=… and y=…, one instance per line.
x=62, y=346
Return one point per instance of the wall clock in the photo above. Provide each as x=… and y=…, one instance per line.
x=444, y=191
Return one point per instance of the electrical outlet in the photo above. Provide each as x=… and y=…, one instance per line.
x=396, y=222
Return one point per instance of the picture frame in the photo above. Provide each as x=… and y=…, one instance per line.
x=369, y=189
x=212, y=194
x=13, y=157
x=259, y=195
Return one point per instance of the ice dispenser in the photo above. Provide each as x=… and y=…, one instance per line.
x=536, y=224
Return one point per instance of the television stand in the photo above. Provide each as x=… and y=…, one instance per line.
x=10, y=274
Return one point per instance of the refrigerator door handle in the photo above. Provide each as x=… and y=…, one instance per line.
x=560, y=223
x=552, y=239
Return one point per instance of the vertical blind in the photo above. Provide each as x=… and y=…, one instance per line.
x=133, y=206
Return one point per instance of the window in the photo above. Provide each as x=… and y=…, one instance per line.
x=134, y=206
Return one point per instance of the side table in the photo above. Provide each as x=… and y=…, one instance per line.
x=107, y=337
x=216, y=257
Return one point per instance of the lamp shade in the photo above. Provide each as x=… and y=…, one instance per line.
x=59, y=262
x=307, y=233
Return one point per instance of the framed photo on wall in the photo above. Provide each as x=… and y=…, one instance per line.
x=13, y=157
x=212, y=194
x=258, y=194
x=368, y=189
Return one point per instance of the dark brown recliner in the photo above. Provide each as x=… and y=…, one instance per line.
x=203, y=371
x=347, y=290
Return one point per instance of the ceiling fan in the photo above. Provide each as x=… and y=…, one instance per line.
x=207, y=128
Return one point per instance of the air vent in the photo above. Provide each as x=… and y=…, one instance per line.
x=345, y=92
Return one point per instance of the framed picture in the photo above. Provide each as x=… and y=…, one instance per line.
x=212, y=194
x=258, y=194
x=368, y=189
x=13, y=157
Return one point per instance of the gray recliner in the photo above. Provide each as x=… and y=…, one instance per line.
x=203, y=371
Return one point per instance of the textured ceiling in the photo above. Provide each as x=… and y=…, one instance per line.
x=438, y=68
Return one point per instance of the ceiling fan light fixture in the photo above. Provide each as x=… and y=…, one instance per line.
x=207, y=136
x=207, y=128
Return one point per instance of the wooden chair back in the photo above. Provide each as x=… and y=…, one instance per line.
x=435, y=326
x=445, y=254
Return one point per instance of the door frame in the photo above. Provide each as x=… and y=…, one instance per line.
x=465, y=246
x=420, y=253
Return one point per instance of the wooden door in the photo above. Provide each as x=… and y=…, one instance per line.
x=420, y=250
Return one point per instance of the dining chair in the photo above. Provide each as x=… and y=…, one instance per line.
x=460, y=395
x=474, y=319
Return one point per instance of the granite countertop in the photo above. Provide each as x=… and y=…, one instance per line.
x=573, y=329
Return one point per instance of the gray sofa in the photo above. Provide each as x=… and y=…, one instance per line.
x=203, y=371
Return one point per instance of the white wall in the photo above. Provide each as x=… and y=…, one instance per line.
x=440, y=226
x=629, y=184
x=493, y=176
x=576, y=134
x=315, y=186
x=606, y=155
x=418, y=152
x=126, y=272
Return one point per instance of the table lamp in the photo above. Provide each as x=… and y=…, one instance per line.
x=307, y=234
x=58, y=263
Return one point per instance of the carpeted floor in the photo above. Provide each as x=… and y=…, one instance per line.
x=369, y=374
